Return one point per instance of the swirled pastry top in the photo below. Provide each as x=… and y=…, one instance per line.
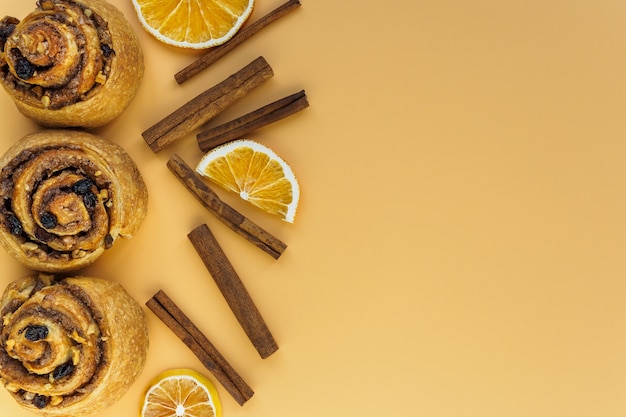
x=66, y=196
x=66, y=345
x=66, y=53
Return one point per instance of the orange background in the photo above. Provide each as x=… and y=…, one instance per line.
x=459, y=246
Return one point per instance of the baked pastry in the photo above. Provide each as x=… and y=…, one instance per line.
x=70, y=63
x=65, y=197
x=70, y=347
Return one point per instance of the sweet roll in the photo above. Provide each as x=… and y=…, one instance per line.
x=65, y=197
x=70, y=63
x=69, y=347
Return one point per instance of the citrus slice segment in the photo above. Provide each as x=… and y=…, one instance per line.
x=195, y=24
x=181, y=393
x=256, y=173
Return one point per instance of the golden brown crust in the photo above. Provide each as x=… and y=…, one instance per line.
x=71, y=347
x=114, y=59
x=66, y=196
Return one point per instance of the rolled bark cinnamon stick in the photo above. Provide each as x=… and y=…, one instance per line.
x=256, y=119
x=233, y=290
x=228, y=215
x=169, y=313
x=207, y=105
x=244, y=34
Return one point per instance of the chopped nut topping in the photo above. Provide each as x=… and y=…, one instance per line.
x=30, y=247
x=46, y=5
x=77, y=338
x=10, y=344
x=92, y=329
x=88, y=12
x=75, y=356
x=101, y=78
x=45, y=100
x=46, y=279
x=56, y=400
x=27, y=39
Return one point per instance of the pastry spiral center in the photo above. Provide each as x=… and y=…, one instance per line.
x=43, y=51
x=57, y=209
x=39, y=355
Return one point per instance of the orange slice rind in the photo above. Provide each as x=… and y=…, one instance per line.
x=194, y=24
x=181, y=393
x=256, y=173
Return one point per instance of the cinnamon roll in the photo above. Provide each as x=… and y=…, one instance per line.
x=69, y=347
x=67, y=196
x=70, y=63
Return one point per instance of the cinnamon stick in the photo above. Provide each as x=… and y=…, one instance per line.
x=207, y=105
x=256, y=119
x=169, y=313
x=233, y=290
x=228, y=215
x=244, y=34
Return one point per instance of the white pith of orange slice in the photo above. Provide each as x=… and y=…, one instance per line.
x=195, y=24
x=256, y=173
x=181, y=393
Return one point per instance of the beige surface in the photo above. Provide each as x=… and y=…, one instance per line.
x=459, y=246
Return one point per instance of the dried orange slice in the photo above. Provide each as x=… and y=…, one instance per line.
x=256, y=173
x=195, y=24
x=181, y=393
